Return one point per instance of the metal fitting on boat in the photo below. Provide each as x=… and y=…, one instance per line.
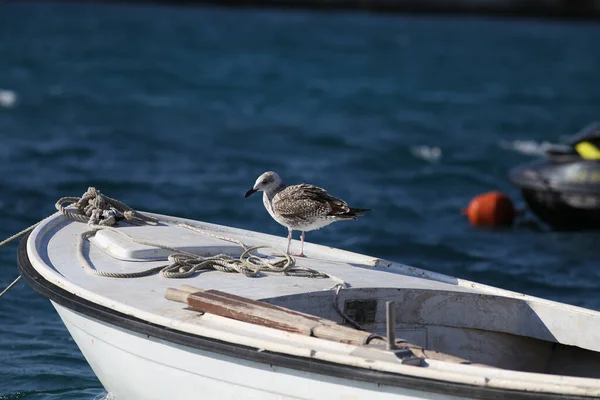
x=390, y=310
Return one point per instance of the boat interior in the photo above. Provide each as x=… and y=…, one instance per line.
x=485, y=329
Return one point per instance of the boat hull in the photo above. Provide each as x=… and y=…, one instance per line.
x=135, y=366
x=169, y=352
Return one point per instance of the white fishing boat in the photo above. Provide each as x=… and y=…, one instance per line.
x=332, y=325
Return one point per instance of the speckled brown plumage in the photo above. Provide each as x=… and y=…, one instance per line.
x=301, y=205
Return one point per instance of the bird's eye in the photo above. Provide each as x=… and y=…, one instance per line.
x=264, y=182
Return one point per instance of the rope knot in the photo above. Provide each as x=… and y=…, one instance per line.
x=102, y=217
x=96, y=209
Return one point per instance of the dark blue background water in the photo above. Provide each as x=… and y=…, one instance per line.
x=178, y=110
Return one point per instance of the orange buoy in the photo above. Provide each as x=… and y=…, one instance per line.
x=491, y=209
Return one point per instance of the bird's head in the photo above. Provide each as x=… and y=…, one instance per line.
x=266, y=182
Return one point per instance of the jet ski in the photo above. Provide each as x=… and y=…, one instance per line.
x=563, y=188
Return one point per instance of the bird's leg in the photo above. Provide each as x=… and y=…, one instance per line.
x=302, y=246
x=289, y=241
x=289, y=237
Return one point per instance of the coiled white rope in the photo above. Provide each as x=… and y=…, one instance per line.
x=183, y=264
x=102, y=212
x=259, y=263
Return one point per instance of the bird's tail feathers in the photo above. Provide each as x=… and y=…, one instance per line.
x=352, y=213
x=357, y=212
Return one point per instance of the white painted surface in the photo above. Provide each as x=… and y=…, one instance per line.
x=432, y=301
x=133, y=367
x=122, y=248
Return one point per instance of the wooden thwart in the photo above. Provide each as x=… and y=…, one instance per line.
x=265, y=314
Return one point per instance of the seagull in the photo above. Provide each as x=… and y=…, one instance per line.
x=301, y=207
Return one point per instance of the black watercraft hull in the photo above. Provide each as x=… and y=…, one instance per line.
x=565, y=195
x=555, y=210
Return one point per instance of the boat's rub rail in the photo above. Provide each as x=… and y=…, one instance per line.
x=269, y=315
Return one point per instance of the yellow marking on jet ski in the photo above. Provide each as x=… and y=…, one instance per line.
x=588, y=151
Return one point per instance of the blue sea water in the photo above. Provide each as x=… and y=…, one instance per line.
x=178, y=110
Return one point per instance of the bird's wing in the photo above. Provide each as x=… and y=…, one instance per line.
x=307, y=201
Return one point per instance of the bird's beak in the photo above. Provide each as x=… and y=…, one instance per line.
x=249, y=192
